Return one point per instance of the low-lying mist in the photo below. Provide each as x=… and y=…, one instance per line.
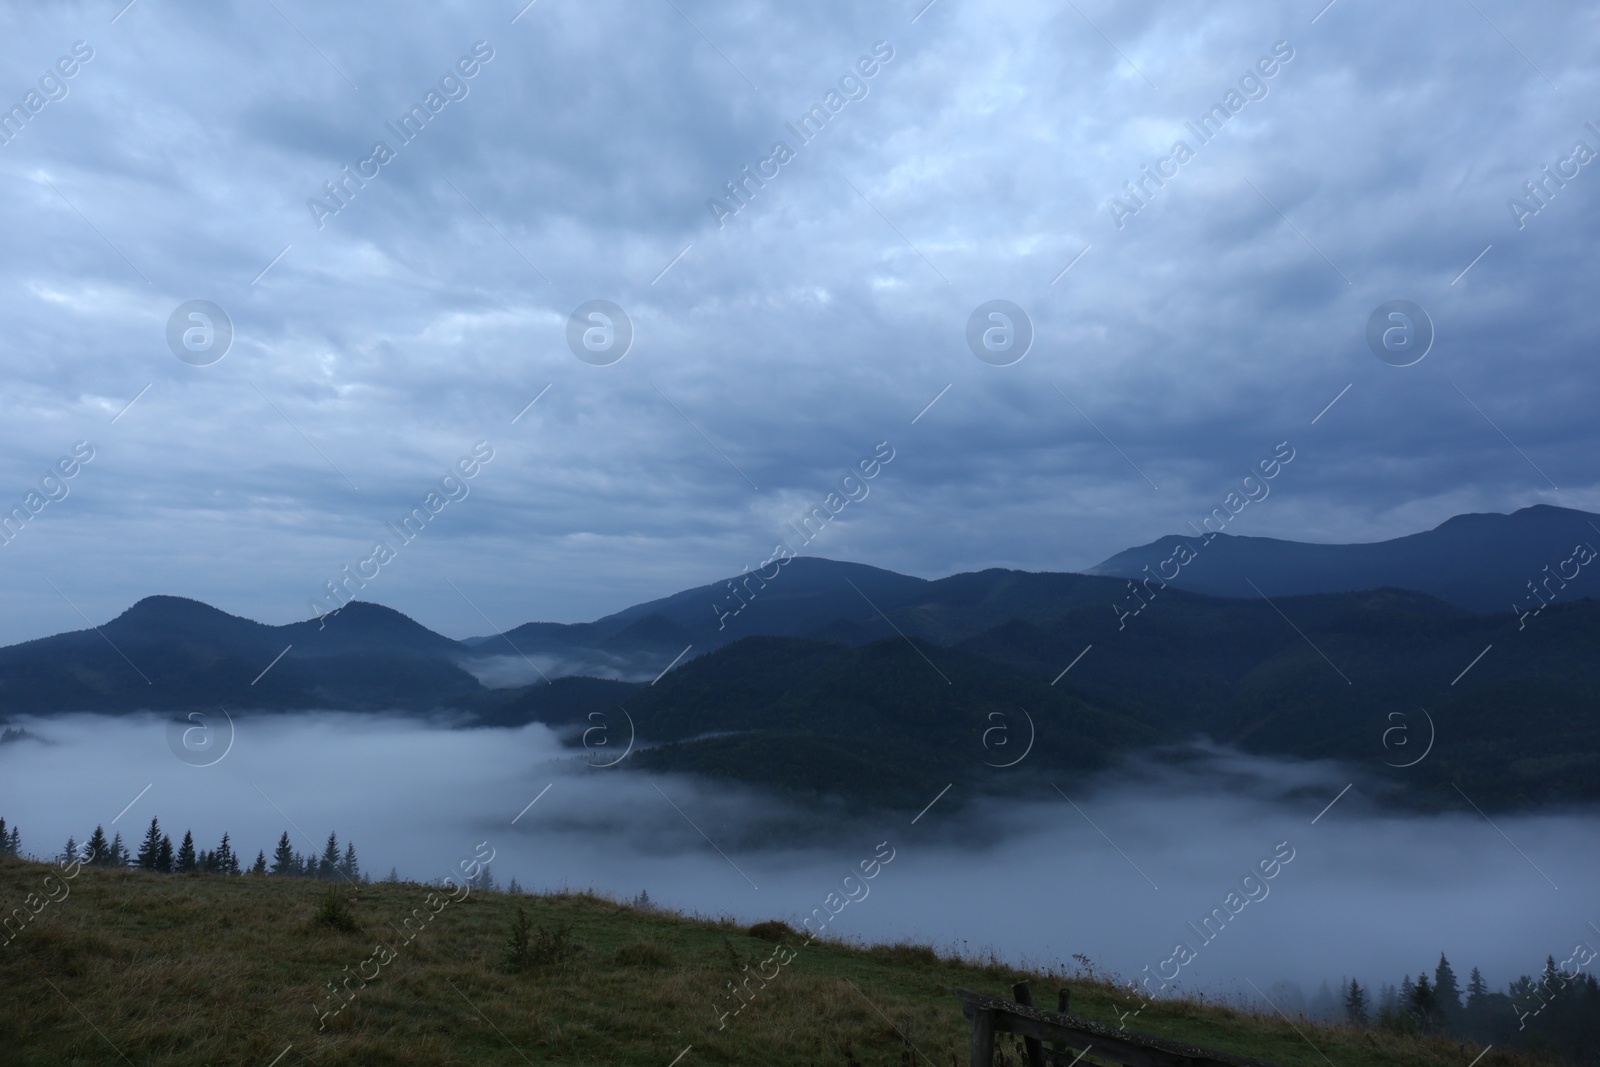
x=508, y=672
x=1115, y=869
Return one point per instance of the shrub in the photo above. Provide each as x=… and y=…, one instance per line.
x=905, y=952
x=772, y=930
x=333, y=910
x=537, y=947
x=519, y=951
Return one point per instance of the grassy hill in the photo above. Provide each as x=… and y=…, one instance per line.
x=137, y=968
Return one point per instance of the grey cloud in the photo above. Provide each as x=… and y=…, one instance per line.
x=806, y=328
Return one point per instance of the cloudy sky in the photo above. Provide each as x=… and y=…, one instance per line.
x=377, y=336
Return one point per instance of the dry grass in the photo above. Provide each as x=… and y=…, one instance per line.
x=202, y=970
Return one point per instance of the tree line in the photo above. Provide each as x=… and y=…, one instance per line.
x=1557, y=1013
x=156, y=852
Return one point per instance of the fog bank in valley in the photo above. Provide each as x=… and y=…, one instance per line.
x=1115, y=869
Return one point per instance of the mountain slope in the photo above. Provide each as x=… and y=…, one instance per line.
x=878, y=722
x=172, y=654
x=1479, y=562
x=1514, y=710
x=204, y=969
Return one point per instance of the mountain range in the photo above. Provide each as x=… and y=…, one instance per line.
x=819, y=678
x=1478, y=562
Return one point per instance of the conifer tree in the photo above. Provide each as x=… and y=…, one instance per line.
x=348, y=866
x=1445, y=989
x=1551, y=981
x=1477, y=989
x=394, y=875
x=1389, y=996
x=1355, y=1004
x=164, y=857
x=186, y=856
x=284, y=862
x=70, y=852
x=5, y=840
x=16, y=841
x=119, y=854
x=223, y=860
x=99, y=849
x=150, y=850
x=328, y=868
x=1424, y=1002
x=260, y=866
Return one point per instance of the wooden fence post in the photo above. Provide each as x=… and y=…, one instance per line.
x=983, y=1038
x=1063, y=999
x=1022, y=992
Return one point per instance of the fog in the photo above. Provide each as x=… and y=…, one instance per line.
x=1115, y=873
x=507, y=672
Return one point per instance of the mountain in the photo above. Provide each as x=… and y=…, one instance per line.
x=881, y=721
x=1422, y=698
x=838, y=678
x=806, y=597
x=1478, y=562
x=173, y=654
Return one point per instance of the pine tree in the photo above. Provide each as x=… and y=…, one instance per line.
x=225, y=861
x=328, y=868
x=261, y=862
x=394, y=875
x=70, y=852
x=206, y=861
x=15, y=847
x=515, y=887
x=1355, y=1004
x=99, y=849
x=164, y=857
x=1551, y=981
x=5, y=840
x=1424, y=1002
x=1446, y=990
x=349, y=867
x=1476, y=987
x=186, y=856
x=150, y=850
x=284, y=863
x=119, y=854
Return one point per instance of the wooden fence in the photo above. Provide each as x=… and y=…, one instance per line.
x=1082, y=1042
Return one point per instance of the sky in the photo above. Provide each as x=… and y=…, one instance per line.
x=357, y=343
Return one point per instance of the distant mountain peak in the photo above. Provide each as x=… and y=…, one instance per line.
x=1480, y=561
x=162, y=609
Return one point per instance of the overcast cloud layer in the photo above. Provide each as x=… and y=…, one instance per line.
x=774, y=346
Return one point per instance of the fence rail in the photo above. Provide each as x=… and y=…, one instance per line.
x=1075, y=1040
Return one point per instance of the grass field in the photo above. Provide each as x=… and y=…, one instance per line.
x=137, y=968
